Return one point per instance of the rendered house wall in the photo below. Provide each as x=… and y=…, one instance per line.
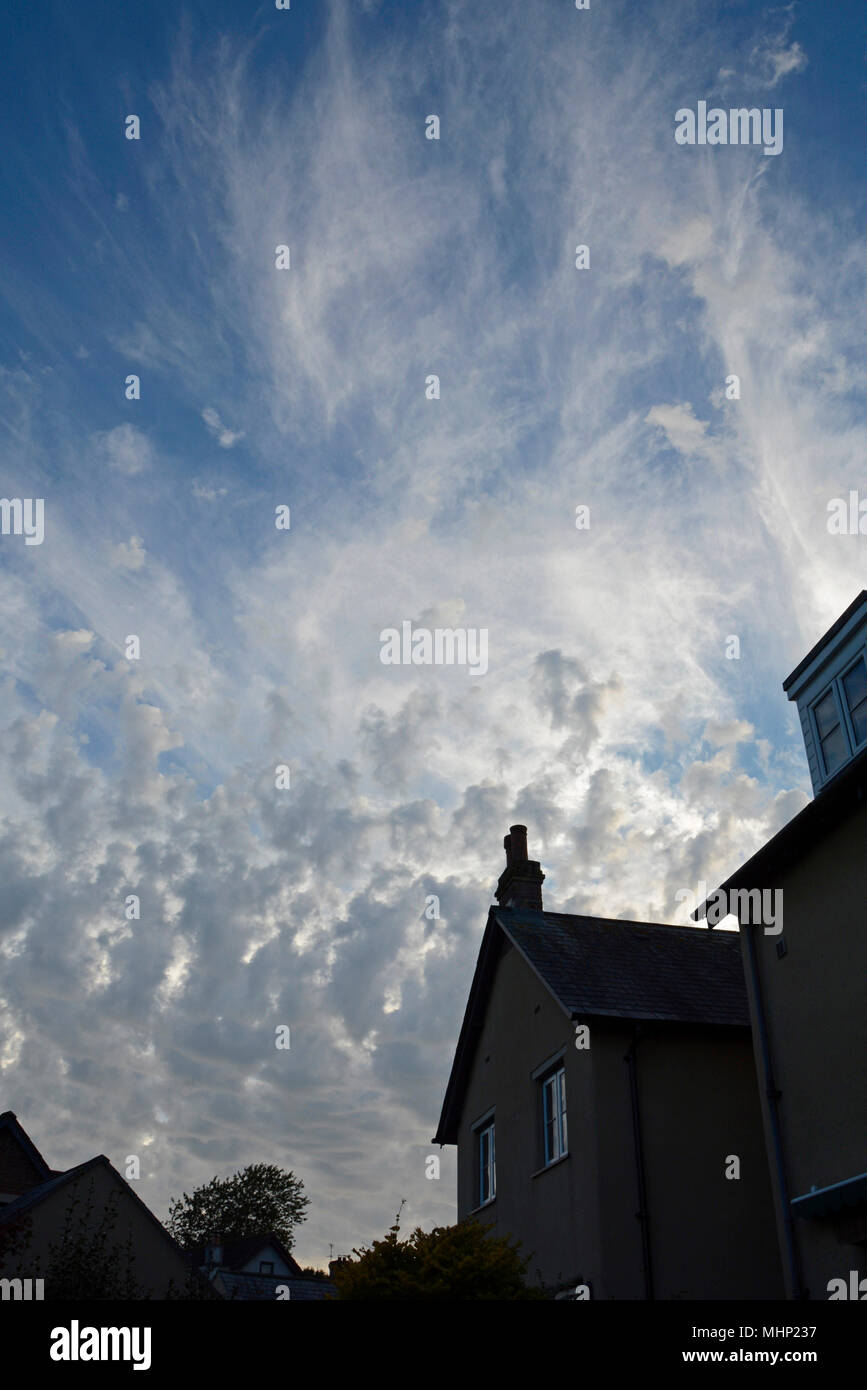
x=710, y=1237
x=816, y=1013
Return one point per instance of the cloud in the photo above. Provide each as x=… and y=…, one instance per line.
x=610, y=720
x=129, y=554
x=721, y=732
x=774, y=57
x=683, y=431
x=226, y=438
x=204, y=492
x=125, y=448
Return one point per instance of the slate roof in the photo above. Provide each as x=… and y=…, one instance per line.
x=237, y=1253
x=596, y=967
x=609, y=968
x=31, y=1199
x=34, y=1195
x=262, y=1287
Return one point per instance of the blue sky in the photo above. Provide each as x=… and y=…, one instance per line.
x=609, y=720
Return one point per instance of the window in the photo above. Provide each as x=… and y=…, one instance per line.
x=487, y=1164
x=832, y=737
x=855, y=686
x=554, y=1115
x=840, y=717
x=266, y=1266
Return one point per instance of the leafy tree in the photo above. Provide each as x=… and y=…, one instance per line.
x=258, y=1199
x=449, y=1262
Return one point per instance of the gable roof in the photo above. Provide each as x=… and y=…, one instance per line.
x=596, y=967
x=237, y=1253
x=10, y=1129
x=36, y=1195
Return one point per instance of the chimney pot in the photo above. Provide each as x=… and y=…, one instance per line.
x=518, y=836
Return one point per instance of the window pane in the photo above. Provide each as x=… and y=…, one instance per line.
x=859, y=722
x=486, y=1164
x=826, y=714
x=563, y=1144
x=834, y=750
x=546, y=1117
x=855, y=682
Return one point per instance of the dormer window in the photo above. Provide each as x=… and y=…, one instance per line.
x=830, y=688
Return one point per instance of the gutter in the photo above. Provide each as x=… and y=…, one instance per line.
x=643, y=1214
x=773, y=1095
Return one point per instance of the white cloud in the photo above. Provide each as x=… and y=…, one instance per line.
x=678, y=423
x=204, y=492
x=226, y=438
x=129, y=554
x=126, y=448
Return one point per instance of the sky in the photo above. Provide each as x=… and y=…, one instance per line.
x=643, y=748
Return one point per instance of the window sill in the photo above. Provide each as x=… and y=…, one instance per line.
x=484, y=1206
x=548, y=1166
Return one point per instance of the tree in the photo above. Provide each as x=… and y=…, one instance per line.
x=253, y=1202
x=449, y=1262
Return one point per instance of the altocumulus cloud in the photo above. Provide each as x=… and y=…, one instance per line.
x=609, y=718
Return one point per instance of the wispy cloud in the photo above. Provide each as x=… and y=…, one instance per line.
x=226, y=438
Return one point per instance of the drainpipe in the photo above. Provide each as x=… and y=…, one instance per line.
x=773, y=1096
x=642, y=1213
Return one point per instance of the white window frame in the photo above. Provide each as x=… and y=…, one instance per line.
x=837, y=689
x=844, y=701
x=554, y=1118
x=485, y=1161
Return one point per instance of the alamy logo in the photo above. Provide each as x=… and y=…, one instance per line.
x=445, y=646
x=857, y=1288
x=740, y=126
x=23, y=1289
x=23, y=516
x=76, y=1343
x=847, y=521
x=751, y=906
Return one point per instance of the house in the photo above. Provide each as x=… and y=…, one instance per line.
x=604, y=1103
x=106, y=1214
x=806, y=982
x=257, y=1268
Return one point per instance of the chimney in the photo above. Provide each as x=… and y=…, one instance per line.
x=521, y=881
